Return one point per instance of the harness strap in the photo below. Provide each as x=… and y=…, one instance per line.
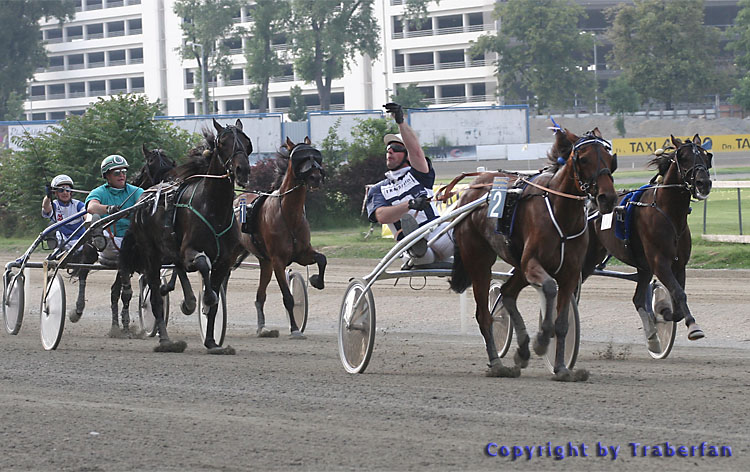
x=563, y=238
x=217, y=236
x=554, y=192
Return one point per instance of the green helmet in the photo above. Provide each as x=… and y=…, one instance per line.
x=115, y=161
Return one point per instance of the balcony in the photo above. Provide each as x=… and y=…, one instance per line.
x=113, y=34
x=442, y=31
x=118, y=91
x=115, y=3
x=76, y=66
x=95, y=35
x=282, y=78
x=134, y=31
x=118, y=62
x=138, y=90
x=93, y=65
x=76, y=94
x=234, y=82
x=136, y=60
x=55, y=96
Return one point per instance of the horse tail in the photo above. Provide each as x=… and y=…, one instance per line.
x=459, y=280
x=130, y=257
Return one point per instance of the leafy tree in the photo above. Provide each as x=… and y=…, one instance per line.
x=22, y=50
x=269, y=18
x=77, y=145
x=664, y=49
x=409, y=97
x=741, y=93
x=740, y=32
x=208, y=23
x=541, y=53
x=326, y=37
x=297, y=108
x=621, y=98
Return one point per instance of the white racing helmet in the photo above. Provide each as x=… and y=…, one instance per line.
x=62, y=179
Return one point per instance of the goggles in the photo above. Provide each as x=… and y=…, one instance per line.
x=63, y=190
x=119, y=172
x=395, y=148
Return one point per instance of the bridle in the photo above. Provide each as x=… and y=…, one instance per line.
x=689, y=176
x=590, y=187
x=305, y=160
x=237, y=147
x=164, y=164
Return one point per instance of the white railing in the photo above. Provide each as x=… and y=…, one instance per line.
x=235, y=51
x=478, y=63
x=76, y=94
x=451, y=65
x=118, y=91
x=234, y=82
x=74, y=37
x=93, y=65
x=55, y=96
x=134, y=31
x=115, y=3
x=95, y=35
x=138, y=90
x=97, y=93
x=442, y=31
x=54, y=40
x=280, y=47
x=118, y=62
x=114, y=34
x=76, y=66
x=282, y=78
x=53, y=68
x=136, y=60
x=36, y=98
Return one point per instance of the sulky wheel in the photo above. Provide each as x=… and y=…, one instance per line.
x=299, y=291
x=356, y=327
x=572, y=339
x=502, y=328
x=145, y=312
x=665, y=330
x=52, y=318
x=13, y=301
x=220, y=322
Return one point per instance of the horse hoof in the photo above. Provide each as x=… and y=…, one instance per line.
x=115, y=332
x=317, y=281
x=187, y=308
x=540, y=345
x=695, y=333
x=170, y=346
x=297, y=334
x=499, y=370
x=653, y=343
x=565, y=375
x=74, y=316
x=210, y=298
x=268, y=333
x=520, y=361
x=222, y=351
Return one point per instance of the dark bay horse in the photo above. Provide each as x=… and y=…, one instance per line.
x=546, y=244
x=193, y=226
x=155, y=168
x=660, y=241
x=280, y=233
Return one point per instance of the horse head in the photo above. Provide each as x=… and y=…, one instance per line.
x=593, y=165
x=692, y=162
x=306, y=163
x=234, y=148
x=155, y=167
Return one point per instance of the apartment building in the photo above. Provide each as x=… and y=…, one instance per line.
x=115, y=46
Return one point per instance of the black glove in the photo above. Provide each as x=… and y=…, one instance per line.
x=49, y=192
x=112, y=209
x=395, y=110
x=420, y=203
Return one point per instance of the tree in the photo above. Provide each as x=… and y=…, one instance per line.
x=664, y=49
x=741, y=93
x=740, y=32
x=207, y=23
x=326, y=37
x=621, y=98
x=269, y=18
x=22, y=49
x=409, y=97
x=297, y=108
x=77, y=145
x=541, y=53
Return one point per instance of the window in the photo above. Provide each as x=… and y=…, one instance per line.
x=96, y=59
x=234, y=45
x=115, y=28
x=312, y=100
x=116, y=58
x=93, y=4
x=398, y=60
x=76, y=89
x=95, y=31
x=75, y=61
x=427, y=92
x=189, y=79
x=234, y=106
x=398, y=26
x=337, y=98
x=57, y=115
x=456, y=90
x=476, y=19
x=37, y=92
x=453, y=21
x=97, y=87
x=451, y=59
x=478, y=89
x=235, y=77
x=136, y=55
x=421, y=61
x=135, y=26
x=74, y=32
x=39, y=116
x=76, y=112
x=118, y=86
x=54, y=35
x=56, y=63
x=55, y=91
x=282, y=102
x=136, y=85
x=190, y=108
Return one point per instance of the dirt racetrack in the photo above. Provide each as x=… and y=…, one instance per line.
x=101, y=404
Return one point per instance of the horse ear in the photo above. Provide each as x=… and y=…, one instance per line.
x=307, y=140
x=697, y=139
x=145, y=150
x=217, y=125
x=289, y=143
x=238, y=124
x=596, y=132
x=676, y=142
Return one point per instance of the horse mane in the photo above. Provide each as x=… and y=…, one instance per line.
x=662, y=162
x=560, y=148
x=281, y=159
x=198, y=159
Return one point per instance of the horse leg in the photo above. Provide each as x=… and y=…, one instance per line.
x=114, y=298
x=125, y=296
x=260, y=300
x=546, y=286
x=509, y=293
x=169, y=286
x=647, y=318
x=218, y=277
x=562, y=373
x=188, y=302
x=153, y=277
x=694, y=331
x=75, y=315
x=316, y=280
x=279, y=270
x=201, y=263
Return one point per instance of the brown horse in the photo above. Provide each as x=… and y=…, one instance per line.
x=660, y=241
x=193, y=227
x=278, y=230
x=546, y=243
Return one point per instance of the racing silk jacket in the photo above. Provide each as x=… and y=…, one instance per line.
x=60, y=211
x=402, y=185
x=125, y=197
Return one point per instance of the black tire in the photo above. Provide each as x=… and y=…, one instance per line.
x=13, y=301
x=356, y=327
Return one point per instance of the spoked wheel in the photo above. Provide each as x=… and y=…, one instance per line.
x=299, y=291
x=572, y=339
x=220, y=322
x=502, y=328
x=665, y=330
x=13, y=301
x=356, y=327
x=52, y=318
x=145, y=311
